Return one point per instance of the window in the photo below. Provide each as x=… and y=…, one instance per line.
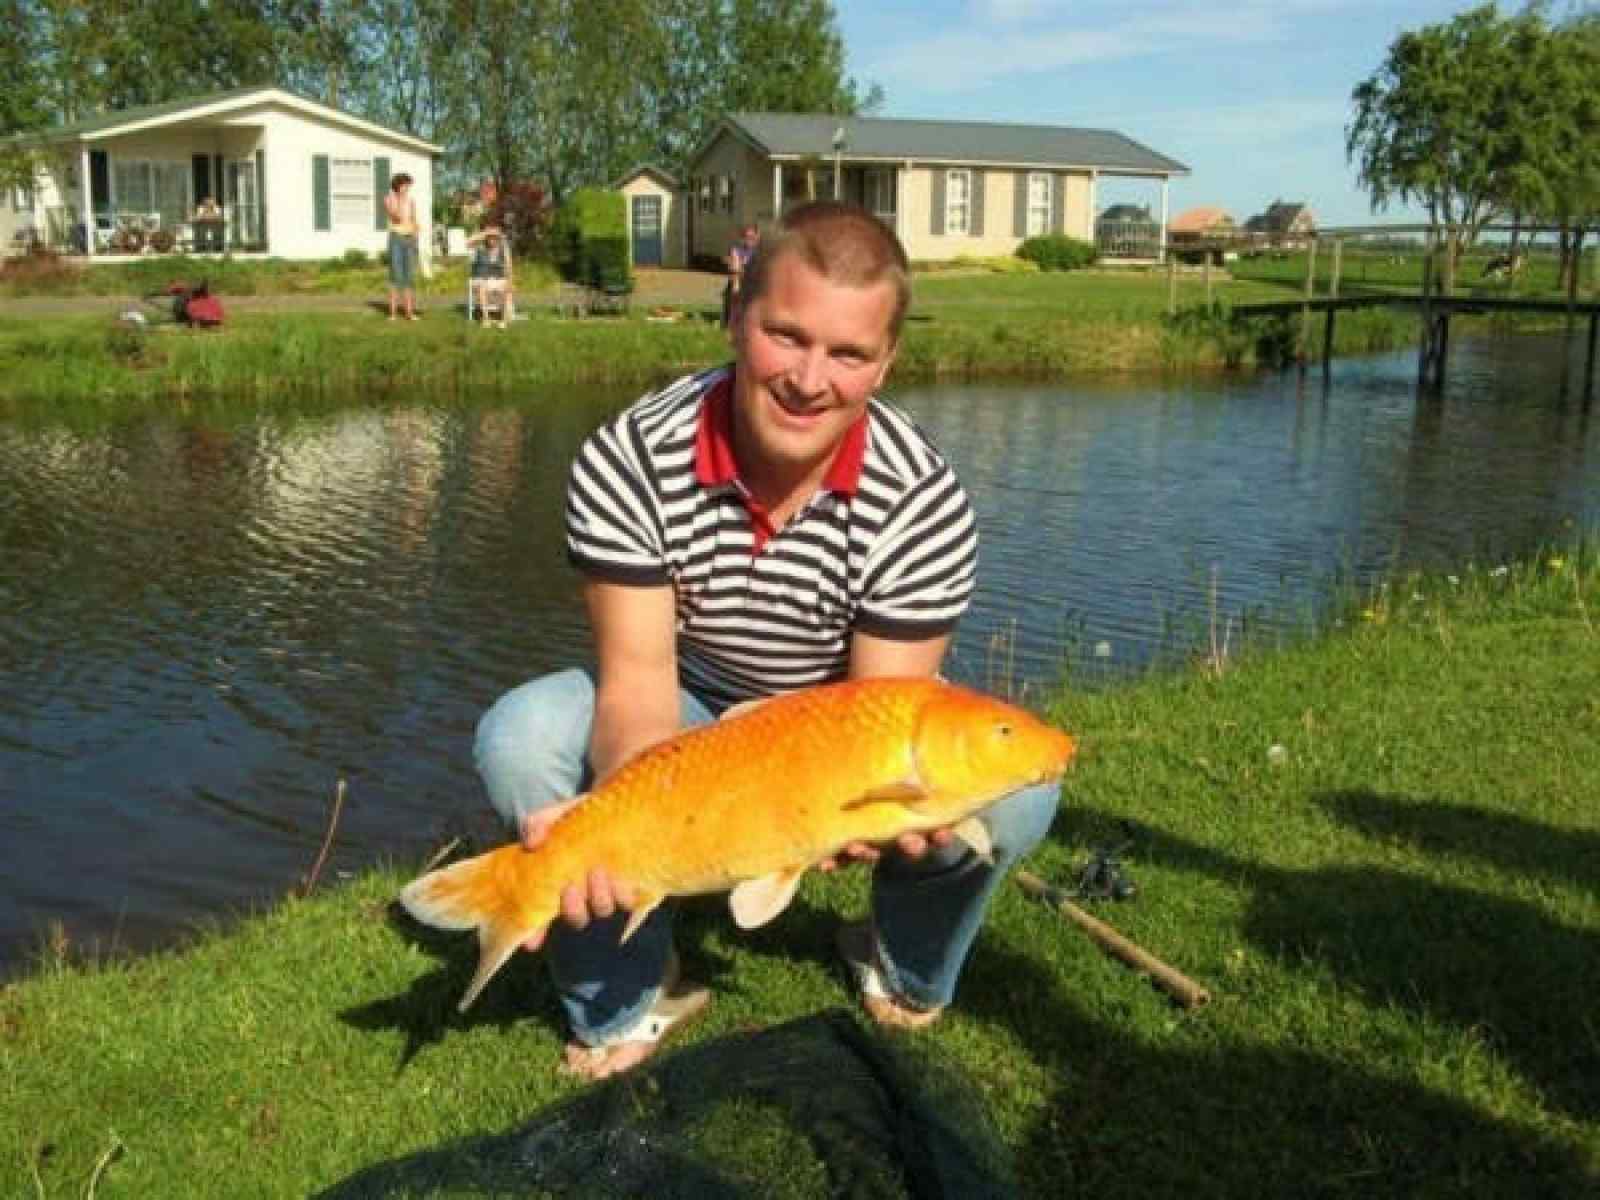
x=159, y=189
x=22, y=199
x=725, y=192
x=879, y=192
x=958, y=202
x=350, y=183
x=1038, y=203
x=705, y=194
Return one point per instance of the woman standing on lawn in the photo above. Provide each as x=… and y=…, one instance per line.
x=401, y=208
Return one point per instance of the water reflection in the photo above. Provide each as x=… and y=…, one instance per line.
x=205, y=624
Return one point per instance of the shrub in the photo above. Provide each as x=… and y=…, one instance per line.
x=1057, y=252
x=522, y=211
x=355, y=257
x=589, y=239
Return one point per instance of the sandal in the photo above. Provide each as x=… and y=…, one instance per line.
x=676, y=1004
x=858, y=947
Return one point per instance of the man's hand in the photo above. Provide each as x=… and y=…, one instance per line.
x=594, y=898
x=910, y=845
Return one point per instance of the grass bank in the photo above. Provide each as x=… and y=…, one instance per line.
x=1032, y=325
x=1377, y=849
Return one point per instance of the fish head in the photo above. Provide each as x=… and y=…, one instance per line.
x=971, y=747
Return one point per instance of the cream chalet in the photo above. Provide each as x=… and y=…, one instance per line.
x=948, y=188
x=255, y=170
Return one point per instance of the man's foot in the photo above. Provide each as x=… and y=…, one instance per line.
x=676, y=1005
x=858, y=946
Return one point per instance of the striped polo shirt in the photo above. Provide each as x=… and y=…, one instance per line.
x=887, y=546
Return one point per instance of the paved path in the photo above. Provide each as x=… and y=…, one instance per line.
x=652, y=287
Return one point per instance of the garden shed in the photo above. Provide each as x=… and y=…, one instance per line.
x=655, y=217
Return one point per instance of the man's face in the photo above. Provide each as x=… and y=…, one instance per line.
x=809, y=355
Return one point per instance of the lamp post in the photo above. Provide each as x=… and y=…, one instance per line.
x=838, y=150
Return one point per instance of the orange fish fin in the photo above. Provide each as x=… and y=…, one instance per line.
x=757, y=901
x=908, y=795
x=497, y=941
x=643, y=905
x=975, y=833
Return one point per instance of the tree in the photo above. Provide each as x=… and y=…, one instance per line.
x=24, y=101
x=1440, y=122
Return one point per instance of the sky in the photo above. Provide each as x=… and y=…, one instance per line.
x=1252, y=95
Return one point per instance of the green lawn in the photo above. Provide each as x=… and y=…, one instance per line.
x=1378, y=849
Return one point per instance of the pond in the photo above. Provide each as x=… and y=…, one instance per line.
x=205, y=624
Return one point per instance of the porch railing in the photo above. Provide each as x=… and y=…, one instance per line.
x=1128, y=239
x=129, y=231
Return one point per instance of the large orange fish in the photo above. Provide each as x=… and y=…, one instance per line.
x=752, y=801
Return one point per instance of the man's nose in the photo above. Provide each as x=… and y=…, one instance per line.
x=811, y=372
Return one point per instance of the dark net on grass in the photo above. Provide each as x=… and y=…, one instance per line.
x=821, y=1106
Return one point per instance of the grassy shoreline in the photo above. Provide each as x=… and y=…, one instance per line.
x=961, y=326
x=1375, y=847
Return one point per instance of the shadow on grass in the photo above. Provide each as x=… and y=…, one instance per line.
x=521, y=990
x=1129, y=1118
x=1503, y=841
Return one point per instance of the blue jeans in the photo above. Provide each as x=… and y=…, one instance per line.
x=531, y=751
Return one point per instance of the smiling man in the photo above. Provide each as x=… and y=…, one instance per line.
x=761, y=527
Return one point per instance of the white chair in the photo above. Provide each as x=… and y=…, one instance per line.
x=508, y=299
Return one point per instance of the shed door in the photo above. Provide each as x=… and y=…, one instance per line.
x=647, y=231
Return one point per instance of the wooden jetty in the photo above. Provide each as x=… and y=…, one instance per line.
x=1436, y=306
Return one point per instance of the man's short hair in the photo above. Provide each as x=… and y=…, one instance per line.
x=845, y=244
x=399, y=181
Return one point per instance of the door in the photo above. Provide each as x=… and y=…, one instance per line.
x=244, y=213
x=647, y=231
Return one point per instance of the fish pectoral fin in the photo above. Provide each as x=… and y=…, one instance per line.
x=907, y=795
x=644, y=903
x=975, y=833
x=757, y=901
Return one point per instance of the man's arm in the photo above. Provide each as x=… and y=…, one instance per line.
x=636, y=700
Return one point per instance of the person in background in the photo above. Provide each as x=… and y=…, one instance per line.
x=743, y=532
x=738, y=258
x=401, y=209
x=491, y=273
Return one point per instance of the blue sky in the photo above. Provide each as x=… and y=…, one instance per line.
x=1253, y=95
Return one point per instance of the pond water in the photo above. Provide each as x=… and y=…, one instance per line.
x=206, y=623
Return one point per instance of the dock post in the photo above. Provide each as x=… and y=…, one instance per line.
x=1425, y=350
x=1588, y=362
x=1172, y=284
x=1305, y=306
x=1338, y=259
x=1327, y=342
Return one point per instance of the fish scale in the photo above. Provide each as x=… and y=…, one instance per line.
x=750, y=802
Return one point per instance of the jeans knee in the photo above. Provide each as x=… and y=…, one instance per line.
x=532, y=743
x=1019, y=822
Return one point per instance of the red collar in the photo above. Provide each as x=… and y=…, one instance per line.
x=714, y=464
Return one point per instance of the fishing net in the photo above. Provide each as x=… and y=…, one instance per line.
x=821, y=1106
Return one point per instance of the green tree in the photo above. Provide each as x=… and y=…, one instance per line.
x=24, y=101
x=1439, y=124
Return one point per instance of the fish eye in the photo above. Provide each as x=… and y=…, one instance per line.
x=1003, y=730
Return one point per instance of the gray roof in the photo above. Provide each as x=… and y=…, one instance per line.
x=801, y=134
x=117, y=117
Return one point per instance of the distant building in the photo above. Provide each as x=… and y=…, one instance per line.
x=1285, y=225
x=1128, y=231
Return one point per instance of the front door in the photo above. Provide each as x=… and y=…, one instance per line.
x=647, y=231
x=244, y=205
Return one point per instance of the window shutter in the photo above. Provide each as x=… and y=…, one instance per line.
x=321, y=198
x=380, y=189
x=975, y=224
x=936, y=218
x=1019, y=207
x=1058, y=204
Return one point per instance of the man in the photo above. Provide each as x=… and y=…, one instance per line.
x=743, y=532
x=739, y=255
x=489, y=277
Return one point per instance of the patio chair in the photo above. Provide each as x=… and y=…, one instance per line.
x=508, y=298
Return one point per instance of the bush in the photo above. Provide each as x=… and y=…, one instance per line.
x=1057, y=252
x=589, y=239
x=355, y=257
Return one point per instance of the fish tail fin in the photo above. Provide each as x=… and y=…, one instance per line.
x=479, y=893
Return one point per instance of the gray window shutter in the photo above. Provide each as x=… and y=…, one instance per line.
x=1058, y=204
x=975, y=225
x=1019, y=210
x=936, y=219
x=321, y=197
x=380, y=189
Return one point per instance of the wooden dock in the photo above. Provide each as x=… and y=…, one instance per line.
x=1431, y=301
